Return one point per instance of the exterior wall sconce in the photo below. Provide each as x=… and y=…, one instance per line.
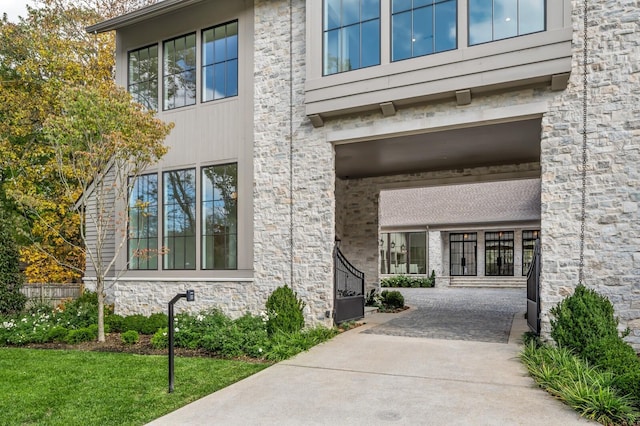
x=190, y=296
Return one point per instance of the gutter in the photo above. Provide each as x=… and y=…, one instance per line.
x=139, y=15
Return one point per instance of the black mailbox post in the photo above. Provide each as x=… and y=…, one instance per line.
x=190, y=296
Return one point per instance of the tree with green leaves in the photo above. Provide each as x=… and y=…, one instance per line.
x=11, y=279
x=103, y=141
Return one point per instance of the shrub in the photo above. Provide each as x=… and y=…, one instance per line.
x=84, y=334
x=114, y=322
x=130, y=337
x=614, y=355
x=284, y=310
x=408, y=281
x=11, y=279
x=155, y=322
x=582, y=319
x=135, y=322
x=57, y=334
x=81, y=312
x=392, y=299
x=160, y=340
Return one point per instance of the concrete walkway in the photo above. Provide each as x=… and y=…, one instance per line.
x=364, y=378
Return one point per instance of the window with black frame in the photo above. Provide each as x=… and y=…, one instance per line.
x=220, y=62
x=179, y=230
x=143, y=76
x=463, y=252
x=498, y=251
x=143, y=223
x=403, y=253
x=529, y=239
x=179, y=71
x=220, y=217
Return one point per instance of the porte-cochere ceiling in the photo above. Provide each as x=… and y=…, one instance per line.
x=487, y=145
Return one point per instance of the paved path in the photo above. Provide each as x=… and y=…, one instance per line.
x=366, y=378
x=476, y=314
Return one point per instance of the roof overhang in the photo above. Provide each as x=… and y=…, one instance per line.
x=148, y=12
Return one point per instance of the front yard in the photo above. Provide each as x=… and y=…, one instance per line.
x=59, y=387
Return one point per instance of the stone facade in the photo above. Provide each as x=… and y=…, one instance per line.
x=294, y=171
x=301, y=208
x=612, y=228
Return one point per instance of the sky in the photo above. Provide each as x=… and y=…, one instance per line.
x=14, y=8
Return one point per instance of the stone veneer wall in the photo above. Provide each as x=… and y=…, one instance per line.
x=147, y=297
x=357, y=201
x=612, y=230
x=290, y=158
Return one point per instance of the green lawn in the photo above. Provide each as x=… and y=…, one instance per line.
x=93, y=388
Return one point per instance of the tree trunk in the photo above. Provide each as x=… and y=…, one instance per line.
x=100, y=291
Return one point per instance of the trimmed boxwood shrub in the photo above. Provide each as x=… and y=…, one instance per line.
x=392, y=299
x=284, y=310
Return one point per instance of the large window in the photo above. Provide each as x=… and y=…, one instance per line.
x=143, y=223
x=529, y=239
x=422, y=27
x=491, y=20
x=463, y=251
x=403, y=253
x=219, y=217
x=143, y=76
x=498, y=253
x=180, y=219
x=351, y=31
x=220, y=62
x=179, y=82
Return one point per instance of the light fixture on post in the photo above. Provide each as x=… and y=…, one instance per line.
x=190, y=296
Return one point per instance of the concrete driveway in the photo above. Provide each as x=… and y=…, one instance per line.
x=369, y=376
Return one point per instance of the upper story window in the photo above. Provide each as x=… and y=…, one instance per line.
x=143, y=76
x=179, y=73
x=220, y=217
x=351, y=35
x=143, y=223
x=422, y=27
x=220, y=62
x=491, y=20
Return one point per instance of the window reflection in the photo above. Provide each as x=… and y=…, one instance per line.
x=219, y=217
x=143, y=223
x=423, y=27
x=220, y=62
x=491, y=20
x=351, y=35
x=179, y=72
x=143, y=76
x=180, y=219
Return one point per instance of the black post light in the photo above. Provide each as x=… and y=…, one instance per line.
x=190, y=296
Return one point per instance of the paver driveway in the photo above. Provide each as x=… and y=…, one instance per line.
x=453, y=313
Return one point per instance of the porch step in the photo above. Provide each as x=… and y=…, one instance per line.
x=489, y=282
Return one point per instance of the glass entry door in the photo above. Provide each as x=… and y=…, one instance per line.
x=498, y=253
x=463, y=250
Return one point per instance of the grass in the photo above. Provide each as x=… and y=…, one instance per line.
x=55, y=387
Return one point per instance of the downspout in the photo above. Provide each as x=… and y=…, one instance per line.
x=584, y=142
x=291, y=142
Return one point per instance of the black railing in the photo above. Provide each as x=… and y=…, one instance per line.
x=348, y=289
x=533, y=291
